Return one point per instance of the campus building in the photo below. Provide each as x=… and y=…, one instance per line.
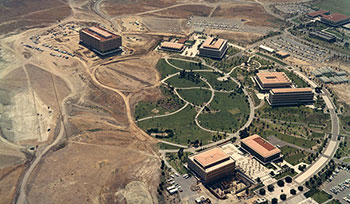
x=272, y=80
x=100, y=40
x=323, y=36
x=172, y=47
x=335, y=19
x=211, y=165
x=213, y=48
x=262, y=150
x=266, y=49
x=290, y=96
x=282, y=54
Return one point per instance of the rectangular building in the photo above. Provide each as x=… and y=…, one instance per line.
x=172, y=47
x=272, y=80
x=335, y=19
x=211, y=165
x=261, y=149
x=266, y=49
x=282, y=54
x=100, y=40
x=213, y=48
x=323, y=36
x=318, y=13
x=290, y=96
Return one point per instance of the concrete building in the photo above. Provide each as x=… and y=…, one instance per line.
x=325, y=80
x=213, y=48
x=318, y=13
x=262, y=150
x=266, y=49
x=335, y=19
x=211, y=165
x=282, y=54
x=172, y=47
x=323, y=36
x=100, y=40
x=290, y=96
x=272, y=80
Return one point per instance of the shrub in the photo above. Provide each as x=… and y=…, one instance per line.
x=270, y=187
x=293, y=191
x=288, y=179
x=280, y=183
x=300, y=188
x=283, y=196
x=262, y=191
x=274, y=201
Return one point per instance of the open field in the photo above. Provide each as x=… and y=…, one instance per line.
x=196, y=96
x=184, y=11
x=339, y=6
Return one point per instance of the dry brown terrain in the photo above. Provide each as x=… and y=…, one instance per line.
x=342, y=92
x=184, y=11
x=8, y=181
x=238, y=37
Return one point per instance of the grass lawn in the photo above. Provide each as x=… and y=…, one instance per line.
x=165, y=69
x=339, y=6
x=176, y=162
x=212, y=78
x=296, y=80
x=169, y=103
x=187, y=65
x=295, y=159
x=255, y=98
x=345, y=122
x=183, y=126
x=228, y=112
x=176, y=81
x=166, y=146
x=321, y=197
x=195, y=96
x=284, y=174
x=271, y=58
x=334, y=201
x=297, y=141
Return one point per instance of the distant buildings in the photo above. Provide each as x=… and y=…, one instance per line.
x=261, y=149
x=100, y=40
x=272, y=80
x=172, y=46
x=290, y=96
x=282, y=54
x=323, y=36
x=335, y=19
x=213, y=48
x=211, y=165
x=318, y=13
x=328, y=75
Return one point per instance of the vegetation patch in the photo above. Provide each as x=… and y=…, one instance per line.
x=195, y=96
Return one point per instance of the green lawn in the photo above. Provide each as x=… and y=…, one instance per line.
x=183, y=126
x=212, y=78
x=176, y=162
x=165, y=69
x=195, y=96
x=176, y=81
x=228, y=113
x=168, y=103
x=334, y=201
x=271, y=58
x=297, y=141
x=187, y=65
x=296, y=80
x=339, y=6
x=166, y=146
x=321, y=197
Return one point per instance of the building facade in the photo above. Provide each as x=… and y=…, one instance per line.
x=100, y=40
x=211, y=165
x=172, y=47
x=290, y=96
x=271, y=80
x=213, y=48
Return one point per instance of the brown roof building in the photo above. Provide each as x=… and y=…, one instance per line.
x=290, y=96
x=335, y=19
x=211, y=165
x=172, y=47
x=213, y=48
x=318, y=13
x=100, y=40
x=271, y=80
x=261, y=149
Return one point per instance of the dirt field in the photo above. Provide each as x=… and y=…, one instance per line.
x=8, y=181
x=238, y=37
x=342, y=91
x=253, y=14
x=184, y=11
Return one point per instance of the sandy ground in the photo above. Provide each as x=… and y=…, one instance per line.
x=343, y=92
x=239, y=37
x=8, y=180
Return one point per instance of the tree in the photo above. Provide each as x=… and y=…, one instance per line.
x=288, y=179
x=243, y=133
x=262, y=191
x=283, y=196
x=270, y=187
x=274, y=201
x=258, y=180
x=300, y=188
x=280, y=183
x=293, y=191
x=180, y=153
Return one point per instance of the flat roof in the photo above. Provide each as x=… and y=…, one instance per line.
x=261, y=146
x=172, y=45
x=213, y=43
x=282, y=53
x=273, y=78
x=100, y=33
x=317, y=13
x=336, y=17
x=291, y=90
x=266, y=48
x=211, y=156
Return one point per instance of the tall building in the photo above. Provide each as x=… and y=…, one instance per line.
x=213, y=48
x=272, y=80
x=290, y=96
x=261, y=149
x=211, y=165
x=100, y=40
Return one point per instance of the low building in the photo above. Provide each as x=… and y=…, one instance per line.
x=100, y=40
x=213, y=48
x=266, y=49
x=290, y=96
x=282, y=54
x=323, y=36
x=262, y=150
x=335, y=19
x=211, y=165
x=340, y=73
x=318, y=13
x=172, y=47
x=272, y=80
x=325, y=80
x=182, y=40
x=317, y=73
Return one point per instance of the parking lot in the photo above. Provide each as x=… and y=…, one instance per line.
x=339, y=185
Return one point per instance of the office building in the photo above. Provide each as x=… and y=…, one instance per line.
x=272, y=80
x=290, y=96
x=213, y=48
